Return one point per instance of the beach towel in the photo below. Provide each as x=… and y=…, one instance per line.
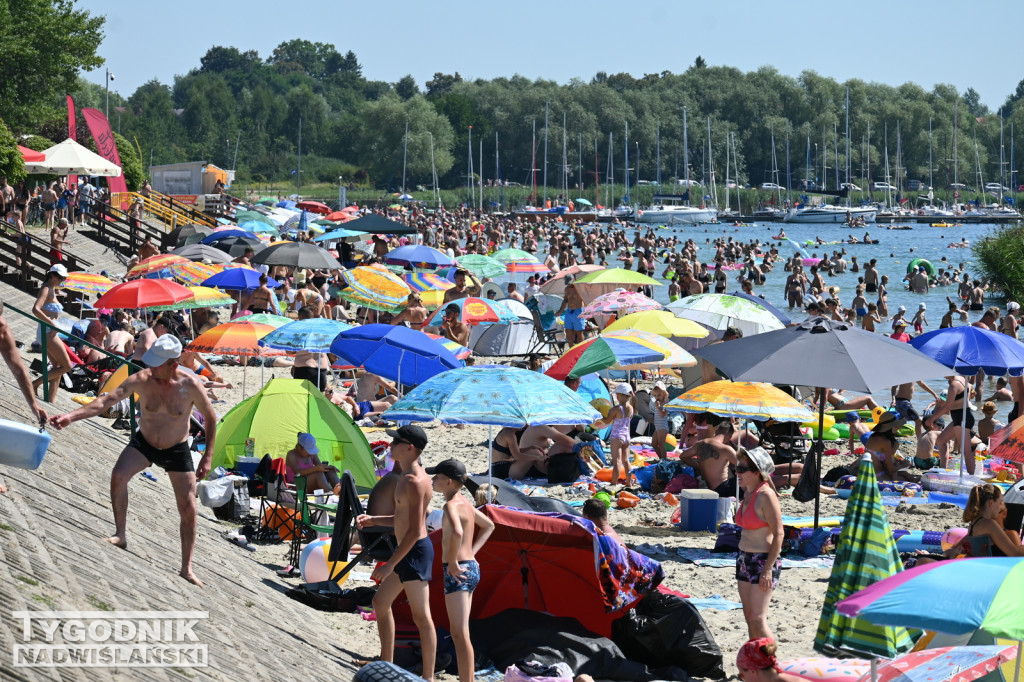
x=704, y=557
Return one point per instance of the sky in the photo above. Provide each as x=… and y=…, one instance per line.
x=969, y=45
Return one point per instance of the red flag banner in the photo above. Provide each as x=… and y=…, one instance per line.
x=105, y=145
x=72, y=133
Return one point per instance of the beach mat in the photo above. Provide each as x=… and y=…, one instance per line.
x=704, y=557
x=808, y=521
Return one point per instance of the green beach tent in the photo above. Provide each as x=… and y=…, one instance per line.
x=272, y=418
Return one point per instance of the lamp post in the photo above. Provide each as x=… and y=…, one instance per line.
x=106, y=92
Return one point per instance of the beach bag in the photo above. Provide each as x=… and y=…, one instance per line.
x=728, y=539
x=807, y=487
x=564, y=468
x=681, y=482
x=976, y=546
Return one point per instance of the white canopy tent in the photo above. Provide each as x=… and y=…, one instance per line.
x=71, y=158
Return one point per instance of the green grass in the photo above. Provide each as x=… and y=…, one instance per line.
x=26, y=580
x=98, y=603
x=45, y=600
x=4, y=526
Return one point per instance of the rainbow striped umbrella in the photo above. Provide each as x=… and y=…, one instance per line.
x=426, y=281
x=87, y=282
x=742, y=399
x=531, y=265
x=193, y=274
x=376, y=289
x=232, y=338
x=598, y=353
x=202, y=297
x=162, y=261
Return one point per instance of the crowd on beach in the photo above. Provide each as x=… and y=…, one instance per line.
x=731, y=459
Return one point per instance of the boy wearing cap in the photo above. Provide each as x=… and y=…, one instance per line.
x=927, y=443
x=464, y=530
x=409, y=568
x=167, y=394
x=899, y=318
x=988, y=424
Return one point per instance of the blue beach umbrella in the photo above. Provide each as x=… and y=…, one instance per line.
x=287, y=203
x=418, y=256
x=238, y=278
x=227, y=234
x=339, y=234
x=397, y=353
x=312, y=336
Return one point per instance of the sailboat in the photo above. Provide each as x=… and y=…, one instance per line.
x=670, y=209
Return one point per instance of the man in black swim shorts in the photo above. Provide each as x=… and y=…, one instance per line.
x=167, y=393
x=409, y=568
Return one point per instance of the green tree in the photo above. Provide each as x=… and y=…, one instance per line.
x=406, y=87
x=380, y=144
x=11, y=164
x=442, y=83
x=972, y=100
x=44, y=44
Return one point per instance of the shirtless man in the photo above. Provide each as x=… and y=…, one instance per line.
x=260, y=302
x=871, y=277
x=902, y=396
x=58, y=238
x=454, y=329
x=147, y=249
x=976, y=299
x=572, y=306
x=458, y=291
x=246, y=257
x=9, y=351
x=121, y=340
x=410, y=568
x=712, y=458
x=148, y=337
x=167, y=395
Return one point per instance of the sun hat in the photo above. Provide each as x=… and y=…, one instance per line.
x=166, y=347
x=989, y=407
x=308, y=443
x=760, y=459
x=623, y=389
x=887, y=421
x=902, y=309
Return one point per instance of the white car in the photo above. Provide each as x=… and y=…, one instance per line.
x=771, y=185
x=882, y=186
x=996, y=187
x=850, y=186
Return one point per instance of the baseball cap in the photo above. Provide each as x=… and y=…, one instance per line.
x=452, y=468
x=623, y=389
x=308, y=443
x=852, y=416
x=59, y=269
x=410, y=433
x=899, y=324
x=166, y=347
x=902, y=309
x=660, y=384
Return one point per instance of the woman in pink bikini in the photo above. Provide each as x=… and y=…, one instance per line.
x=757, y=565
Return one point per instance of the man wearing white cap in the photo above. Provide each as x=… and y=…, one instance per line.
x=167, y=394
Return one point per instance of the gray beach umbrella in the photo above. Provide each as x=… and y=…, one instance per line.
x=298, y=255
x=826, y=354
x=198, y=252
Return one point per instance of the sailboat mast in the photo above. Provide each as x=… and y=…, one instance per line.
x=711, y=168
x=847, y=165
x=469, y=172
x=930, y=160
x=686, y=160
x=627, y=163
x=728, y=138
x=533, y=165
x=736, y=160
x=657, y=175
x=497, y=174
x=545, y=154
x=435, y=190
x=565, y=163
x=405, y=155
x=610, y=172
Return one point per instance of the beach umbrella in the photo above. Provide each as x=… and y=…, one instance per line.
x=372, y=223
x=617, y=277
x=274, y=321
x=31, y=155
x=675, y=356
x=257, y=226
x=742, y=400
x=267, y=201
x=526, y=265
x=298, y=255
x=143, y=293
x=221, y=235
x=313, y=207
x=236, y=246
x=620, y=302
x=236, y=279
x=721, y=311
x=480, y=265
x=202, y=297
x=425, y=281
x=583, y=201
x=314, y=335
x=1008, y=442
x=457, y=349
x=418, y=256
x=660, y=322
x=256, y=216
x=87, y=283
x=601, y=352
x=185, y=234
x=155, y=263
x=495, y=395
x=865, y=554
x=507, y=255
x=474, y=311
x=825, y=354
x=556, y=283
x=942, y=664
x=403, y=355
x=783, y=317
x=341, y=234
x=337, y=217
x=376, y=289
x=201, y=252
x=968, y=350
x=193, y=274
x=69, y=158
x=238, y=337
x=286, y=203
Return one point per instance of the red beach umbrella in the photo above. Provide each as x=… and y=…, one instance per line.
x=143, y=293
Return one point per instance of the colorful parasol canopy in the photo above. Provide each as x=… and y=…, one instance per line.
x=1008, y=442
x=660, y=322
x=232, y=338
x=237, y=279
x=618, y=277
x=457, y=349
x=507, y=255
x=418, y=256
x=619, y=301
x=313, y=207
x=720, y=311
x=526, y=265
x=313, y=335
x=202, y=297
x=675, y=355
x=87, y=282
x=475, y=311
x=376, y=289
x=192, y=273
x=945, y=664
x=556, y=283
x=274, y=321
x=162, y=261
x=601, y=352
x=480, y=265
x=426, y=281
x=742, y=399
x=143, y=293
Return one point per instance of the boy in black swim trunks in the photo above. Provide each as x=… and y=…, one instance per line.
x=409, y=568
x=464, y=530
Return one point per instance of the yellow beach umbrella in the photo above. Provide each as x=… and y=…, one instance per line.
x=660, y=322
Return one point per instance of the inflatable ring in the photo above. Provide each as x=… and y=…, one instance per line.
x=829, y=434
x=843, y=429
x=829, y=422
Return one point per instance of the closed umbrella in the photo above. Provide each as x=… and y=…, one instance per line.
x=968, y=350
x=418, y=256
x=397, y=353
x=865, y=554
x=494, y=395
x=822, y=353
x=721, y=311
x=143, y=293
x=298, y=255
x=201, y=252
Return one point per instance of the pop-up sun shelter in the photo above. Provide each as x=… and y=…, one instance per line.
x=273, y=417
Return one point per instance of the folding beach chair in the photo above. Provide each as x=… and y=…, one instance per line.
x=305, y=526
x=377, y=543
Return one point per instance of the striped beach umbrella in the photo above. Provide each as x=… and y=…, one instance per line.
x=202, y=297
x=743, y=400
x=675, y=356
x=866, y=554
x=193, y=274
x=87, y=282
x=598, y=353
x=526, y=265
x=426, y=281
x=376, y=289
x=162, y=261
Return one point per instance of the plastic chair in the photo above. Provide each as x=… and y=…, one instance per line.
x=305, y=528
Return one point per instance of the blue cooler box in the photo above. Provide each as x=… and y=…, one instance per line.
x=698, y=510
x=247, y=466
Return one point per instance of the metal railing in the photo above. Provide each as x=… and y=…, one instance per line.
x=132, y=367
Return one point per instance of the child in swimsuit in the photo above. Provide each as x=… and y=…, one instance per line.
x=619, y=417
x=659, y=396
